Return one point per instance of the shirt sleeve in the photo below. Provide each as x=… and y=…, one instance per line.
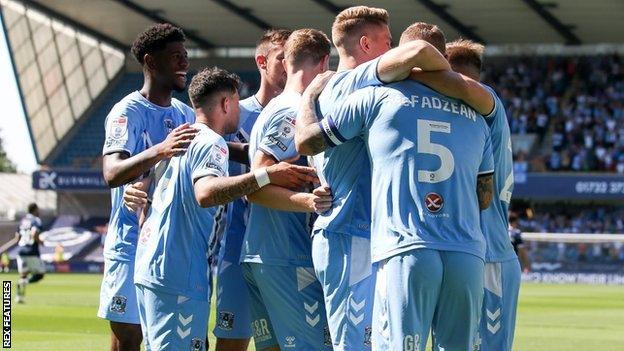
x=123, y=128
x=209, y=159
x=498, y=105
x=487, y=160
x=364, y=75
x=279, y=137
x=349, y=119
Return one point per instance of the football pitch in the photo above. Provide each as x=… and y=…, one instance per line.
x=59, y=315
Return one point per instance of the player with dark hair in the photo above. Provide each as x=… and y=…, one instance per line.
x=172, y=286
x=29, y=264
x=145, y=127
x=233, y=327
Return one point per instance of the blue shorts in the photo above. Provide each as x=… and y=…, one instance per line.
x=424, y=289
x=287, y=308
x=498, y=317
x=233, y=310
x=117, y=295
x=343, y=266
x=172, y=322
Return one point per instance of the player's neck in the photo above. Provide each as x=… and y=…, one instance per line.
x=347, y=62
x=266, y=92
x=298, y=81
x=157, y=95
x=213, y=122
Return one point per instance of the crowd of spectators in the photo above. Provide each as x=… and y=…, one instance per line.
x=560, y=218
x=575, y=105
x=593, y=219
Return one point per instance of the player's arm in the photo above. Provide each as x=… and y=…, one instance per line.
x=398, y=63
x=283, y=199
x=212, y=190
x=309, y=139
x=485, y=190
x=345, y=122
x=523, y=256
x=120, y=167
x=458, y=86
x=239, y=152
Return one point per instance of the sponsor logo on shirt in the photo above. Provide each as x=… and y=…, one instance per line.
x=278, y=143
x=434, y=202
x=260, y=329
x=290, y=342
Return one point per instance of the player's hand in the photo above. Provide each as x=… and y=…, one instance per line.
x=135, y=194
x=321, y=199
x=291, y=176
x=318, y=84
x=177, y=141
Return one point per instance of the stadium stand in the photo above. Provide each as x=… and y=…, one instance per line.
x=572, y=104
x=84, y=148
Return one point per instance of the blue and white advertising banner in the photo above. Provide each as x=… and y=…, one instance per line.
x=68, y=180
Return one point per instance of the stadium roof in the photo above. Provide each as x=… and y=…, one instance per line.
x=238, y=23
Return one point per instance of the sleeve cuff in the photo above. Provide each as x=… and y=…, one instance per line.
x=494, y=108
x=485, y=173
x=205, y=173
x=329, y=130
x=379, y=82
x=115, y=150
x=269, y=152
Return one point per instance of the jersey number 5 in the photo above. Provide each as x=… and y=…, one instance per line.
x=425, y=146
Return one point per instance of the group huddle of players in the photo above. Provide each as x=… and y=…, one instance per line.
x=394, y=228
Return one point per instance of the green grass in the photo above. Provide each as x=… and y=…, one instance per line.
x=59, y=315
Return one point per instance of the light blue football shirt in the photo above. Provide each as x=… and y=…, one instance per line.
x=174, y=244
x=346, y=169
x=426, y=152
x=238, y=210
x=133, y=125
x=495, y=219
x=277, y=237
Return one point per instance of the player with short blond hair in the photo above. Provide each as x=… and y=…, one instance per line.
x=287, y=300
x=427, y=32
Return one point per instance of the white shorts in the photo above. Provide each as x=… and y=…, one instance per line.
x=30, y=264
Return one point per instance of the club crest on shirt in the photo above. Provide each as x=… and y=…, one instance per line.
x=118, y=304
x=197, y=344
x=367, y=336
x=169, y=124
x=226, y=320
x=434, y=202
